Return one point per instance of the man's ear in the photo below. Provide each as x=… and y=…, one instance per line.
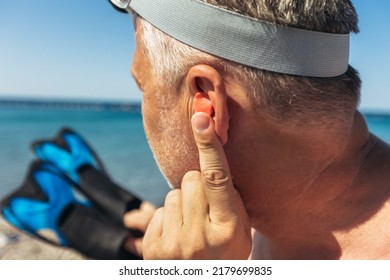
x=207, y=87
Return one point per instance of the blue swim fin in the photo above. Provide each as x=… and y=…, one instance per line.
x=36, y=206
x=46, y=206
x=71, y=154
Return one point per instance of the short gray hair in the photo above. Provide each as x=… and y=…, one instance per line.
x=282, y=97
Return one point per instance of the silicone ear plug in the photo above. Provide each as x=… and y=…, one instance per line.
x=202, y=104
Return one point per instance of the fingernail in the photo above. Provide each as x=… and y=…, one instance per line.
x=200, y=121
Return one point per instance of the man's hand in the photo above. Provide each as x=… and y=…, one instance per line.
x=206, y=218
x=138, y=219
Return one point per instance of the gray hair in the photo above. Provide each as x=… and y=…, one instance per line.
x=282, y=97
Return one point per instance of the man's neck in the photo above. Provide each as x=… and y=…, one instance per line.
x=307, y=188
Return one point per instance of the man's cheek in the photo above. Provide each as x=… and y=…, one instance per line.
x=148, y=119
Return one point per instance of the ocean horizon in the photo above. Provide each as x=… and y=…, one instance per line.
x=115, y=132
x=114, y=129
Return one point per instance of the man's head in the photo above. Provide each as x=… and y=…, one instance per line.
x=172, y=73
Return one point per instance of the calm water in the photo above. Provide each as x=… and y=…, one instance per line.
x=117, y=136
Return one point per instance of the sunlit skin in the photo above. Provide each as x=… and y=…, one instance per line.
x=168, y=133
x=308, y=192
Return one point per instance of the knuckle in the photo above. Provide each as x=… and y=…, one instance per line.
x=190, y=176
x=173, y=197
x=159, y=213
x=205, y=144
x=192, y=181
x=215, y=177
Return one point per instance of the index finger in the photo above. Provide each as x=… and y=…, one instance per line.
x=218, y=185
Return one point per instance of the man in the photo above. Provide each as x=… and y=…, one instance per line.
x=279, y=151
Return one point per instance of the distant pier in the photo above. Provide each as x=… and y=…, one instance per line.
x=70, y=105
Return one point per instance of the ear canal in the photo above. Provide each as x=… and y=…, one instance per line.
x=202, y=104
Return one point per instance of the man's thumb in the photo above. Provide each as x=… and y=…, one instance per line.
x=204, y=133
x=201, y=122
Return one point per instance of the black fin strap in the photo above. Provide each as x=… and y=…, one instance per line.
x=106, y=195
x=89, y=233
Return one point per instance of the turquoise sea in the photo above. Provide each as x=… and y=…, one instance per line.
x=117, y=136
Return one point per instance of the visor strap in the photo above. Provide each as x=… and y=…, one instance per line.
x=246, y=40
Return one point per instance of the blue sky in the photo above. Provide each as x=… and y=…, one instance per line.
x=84, y=48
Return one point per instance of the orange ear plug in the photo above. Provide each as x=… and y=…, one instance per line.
x=202, y=104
